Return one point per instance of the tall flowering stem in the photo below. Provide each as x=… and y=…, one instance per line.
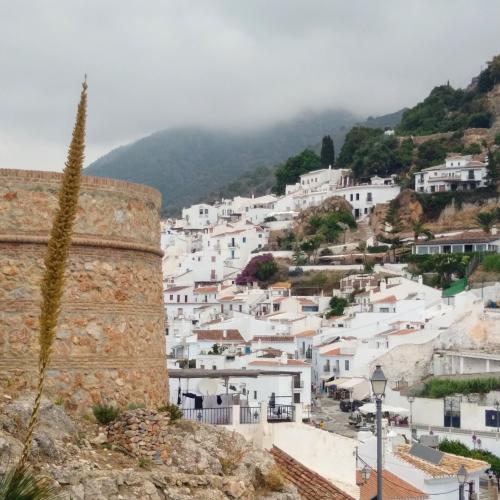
x=56, y=260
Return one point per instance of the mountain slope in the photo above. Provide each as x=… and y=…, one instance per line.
x=186, y=164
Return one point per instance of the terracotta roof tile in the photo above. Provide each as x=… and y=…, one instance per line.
x=448, y=466
x=331, y=352
x=206, y=289
x=391, y=299
x=306, y=333
x=311, y=486
x=218, y=335
x=273, y=338
x=272, y=362
x=393, y=488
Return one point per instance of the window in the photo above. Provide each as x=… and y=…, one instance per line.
x=296, y=397
x=366, y=210
x=433, y=189
x=178, y=298
x=201, y=211
x=368, y=197
x=185, y=298
x=206, y=211
x=346, y=365
x=384, y=309
x=230, y=307
x=213, y=258
x=471, y=174
x=255, y=394
x=240, y=308
x=351, y=197
x=171, y=297
x=260, y=235
x=357, y=196
x=212, y=274
x=244, y=239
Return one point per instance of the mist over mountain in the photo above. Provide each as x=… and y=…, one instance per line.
x=189, y=164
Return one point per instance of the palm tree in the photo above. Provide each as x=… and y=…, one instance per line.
x=419, y=229
x=486, y=220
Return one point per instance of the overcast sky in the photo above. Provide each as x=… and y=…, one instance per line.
x=152, y=65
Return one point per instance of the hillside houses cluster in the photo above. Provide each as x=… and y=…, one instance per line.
x=246, y=356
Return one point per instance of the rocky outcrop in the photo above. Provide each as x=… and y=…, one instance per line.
x=332, y=204
x=190, y=461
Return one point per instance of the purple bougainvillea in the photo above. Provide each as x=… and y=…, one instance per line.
x=260, y=268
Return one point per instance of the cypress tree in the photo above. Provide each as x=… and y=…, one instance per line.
x=327, y=151
x=52, y=285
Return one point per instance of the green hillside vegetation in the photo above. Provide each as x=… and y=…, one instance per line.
x=294, y=167
x=189, y=164
x=258, y=181
x=447, y=109
x=369, y=152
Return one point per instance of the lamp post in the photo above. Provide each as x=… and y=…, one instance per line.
x=462, y=477
x=378, y=382
x=497, y=406
x=365, y=473
x=410, y=400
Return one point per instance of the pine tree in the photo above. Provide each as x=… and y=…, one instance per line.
x=327, y=151
x=56, y=259
x=493, y=170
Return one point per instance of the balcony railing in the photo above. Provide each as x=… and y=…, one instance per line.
x=215, y=416
x=249, y=415
x=281, y=413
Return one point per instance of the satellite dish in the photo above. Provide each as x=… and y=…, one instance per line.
x=208, y=386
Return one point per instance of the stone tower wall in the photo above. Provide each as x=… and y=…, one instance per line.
x=110, y=343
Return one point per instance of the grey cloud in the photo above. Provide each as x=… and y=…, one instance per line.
x=226, y=63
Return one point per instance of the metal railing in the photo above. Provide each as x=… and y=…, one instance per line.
x=281, y=413
x=215, y=416
x=249, y=415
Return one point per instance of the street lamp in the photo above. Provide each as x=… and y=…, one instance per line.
x=410, y=400
x=379, y=382
x=462, y=477
x=365, y=473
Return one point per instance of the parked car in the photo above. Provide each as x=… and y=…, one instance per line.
x=345, y=405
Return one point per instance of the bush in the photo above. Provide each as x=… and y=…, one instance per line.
x=325, y=251
x=260, y=268
x=458, y=448
x=441, y=387
x=497, y=139
x=25, y=485
x=174, y=412
x=105, y=414
x=378, y=249
x=491, y=263
x=337, y=306
x=135, y=406
x=273, y=480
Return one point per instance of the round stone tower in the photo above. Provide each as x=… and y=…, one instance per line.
x=110, y=343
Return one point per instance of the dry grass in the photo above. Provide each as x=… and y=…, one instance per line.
x=272, y=480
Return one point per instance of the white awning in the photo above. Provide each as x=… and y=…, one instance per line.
x=360, y=387
x=395, y=410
